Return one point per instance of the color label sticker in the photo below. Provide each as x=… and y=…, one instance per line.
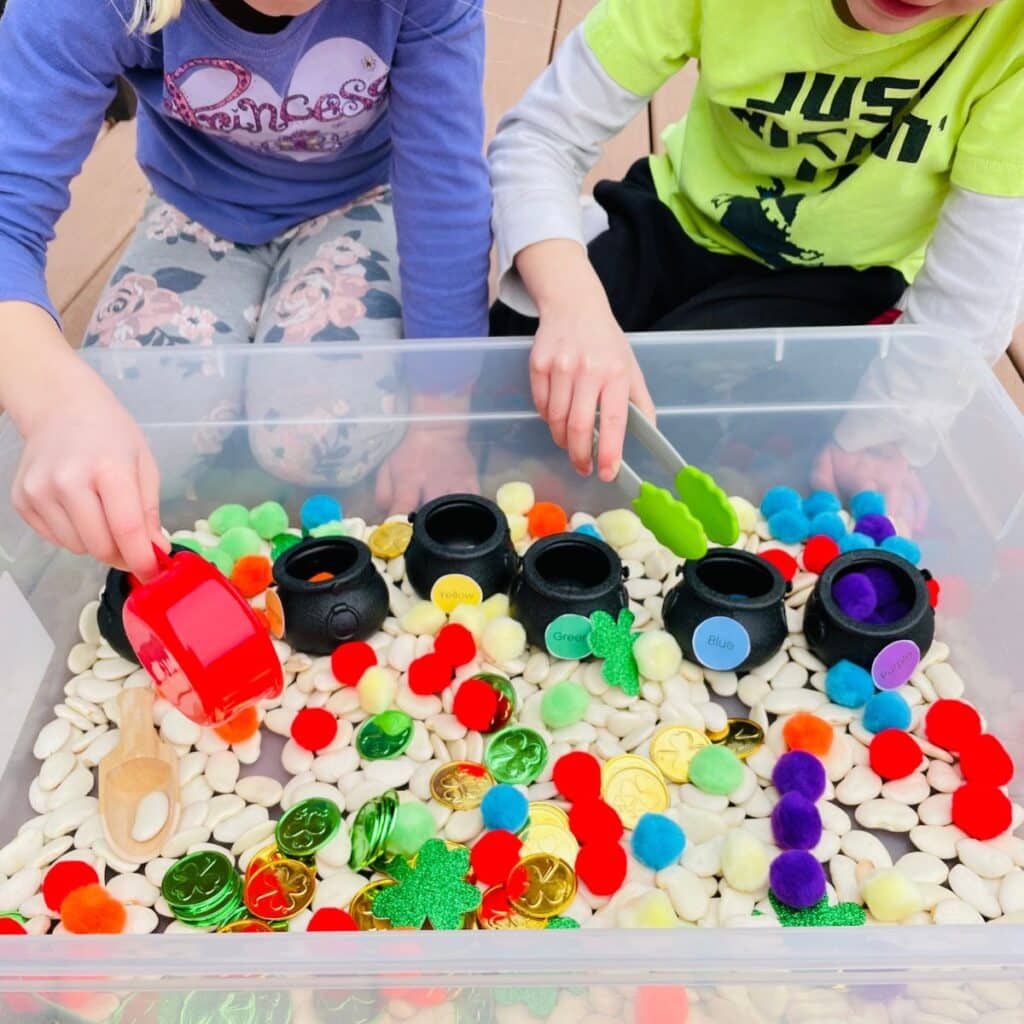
x=895, y=664
x=454, y=589
x=720, y=643
x=568, y=637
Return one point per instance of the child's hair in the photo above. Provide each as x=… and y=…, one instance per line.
x=153, y=15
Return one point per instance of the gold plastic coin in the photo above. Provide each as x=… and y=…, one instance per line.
x=674, y=747
x=262, y=859
x=460, y=785
x=280, y=890
x=361, y=907
x=390, y=539
x=506, y=919
x=553, y=840
x=550, y=886
x=634, y=787
x=718, y=735
x=744, y=737
x=543, y=813
x=247, y=924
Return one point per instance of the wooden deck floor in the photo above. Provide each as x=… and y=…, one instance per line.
x=108, y=196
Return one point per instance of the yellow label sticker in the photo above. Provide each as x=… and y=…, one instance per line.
x=454, y=589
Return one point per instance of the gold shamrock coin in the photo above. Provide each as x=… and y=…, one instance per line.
x=550, y=886
x=361, y=907
x=744, y=737
x=553, y=840
x=390, y=539
x=634, y=787
x=460, y=785
x=280, y=890
x=247, y=924
x=674, y=747
x=543, y=813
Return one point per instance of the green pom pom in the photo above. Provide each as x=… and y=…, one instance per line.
x=227, y=517
x=281, y=543
x=414, y=825
x=563, y=704
x=716, y=770
x=219, y=558
x=240, y=541
x=269, y=519
x=332, y=529
x=188, y=542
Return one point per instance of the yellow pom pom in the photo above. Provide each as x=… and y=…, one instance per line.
x=518, y=526
x=658, y=655
x=891, y=896
x=619, y=527
x=495, y=607
x=472, y=617
x=377, y=688
x=423, y=619
x=744, y=861
x=516, y=498
x=746, y=514
x=651, y=910
x=504, y=640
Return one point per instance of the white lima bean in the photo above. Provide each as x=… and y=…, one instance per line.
x=150, y=816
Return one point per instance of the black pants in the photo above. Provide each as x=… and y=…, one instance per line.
x=657, y=279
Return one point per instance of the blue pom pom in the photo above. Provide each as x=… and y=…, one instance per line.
x=848, y=685
x=820, y=501
x=790, y=526
x=589, y=529
x=779, y=499
x=867, y=503
x=319, y=509
x=828, y=524
x=904, y=547
x=855, y=542
x=504, y=807
x=657, y=841
x=886, y=710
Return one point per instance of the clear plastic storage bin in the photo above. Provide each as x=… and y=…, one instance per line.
x=753, y=408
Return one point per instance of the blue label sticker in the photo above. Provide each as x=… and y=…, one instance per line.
x=720, y=643
x=568, y=637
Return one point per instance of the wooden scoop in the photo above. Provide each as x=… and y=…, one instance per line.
x=138, y=766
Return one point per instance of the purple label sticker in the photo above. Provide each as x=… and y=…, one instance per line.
x=895, y=664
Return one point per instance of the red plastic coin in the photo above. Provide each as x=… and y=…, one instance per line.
x=984, y=759
x=9, y=926
x=494, y=856
x=476, y=704
x=577, y=776
x=594, y=820
x=332, y=919
x=314, y=728
x=429, y=674
x=455, y=644
x=351, y=660
x=951, y=724
x=894, y=754
x=494, y=905
x=818, y=552
x=62, y=879
x=934, y=590
x=983, y=812
x=782, y=560
x=546, y=518
x=601, y=867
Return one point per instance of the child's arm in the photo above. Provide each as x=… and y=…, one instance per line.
x=86, y=479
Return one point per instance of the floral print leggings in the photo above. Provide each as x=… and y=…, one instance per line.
x=331, y=279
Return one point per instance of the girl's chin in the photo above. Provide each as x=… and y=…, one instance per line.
x=887, y=16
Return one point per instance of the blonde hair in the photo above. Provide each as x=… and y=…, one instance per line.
x=153, y=15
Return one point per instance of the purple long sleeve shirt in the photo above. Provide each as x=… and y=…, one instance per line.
x=250, y=134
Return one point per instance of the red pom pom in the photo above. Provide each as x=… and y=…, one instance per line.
x=494, y=856
x=430, y=674
x=314, y=728
x=894, y=754
x=64, y=878
x=983, y=812
x=332, y=919
x=475, y=705
x=782, y=560
x=546, y=518
x=594, y=820
x=818, y=552
x=455, y=644
x=933, y=592
x=952, y=724
x=351, y=660
x=601, y=867
x=577, y=776
x=9, y=926
x=984, y=759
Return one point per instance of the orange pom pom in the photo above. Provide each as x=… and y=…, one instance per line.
x=546, y=518
x=252, y=575
x=242, y=727
x=91, y=910
x=321, y=577
x=805, y=731
x=275, y=614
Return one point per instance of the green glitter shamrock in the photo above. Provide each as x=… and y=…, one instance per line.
x=433, y=889
x=540, y=1002
x=614, y=641
x=671, y=522
x=821, y=915
x=709, y=504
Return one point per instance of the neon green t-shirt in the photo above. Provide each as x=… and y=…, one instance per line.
x=812, y=143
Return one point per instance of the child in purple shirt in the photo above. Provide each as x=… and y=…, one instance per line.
x=298, y=150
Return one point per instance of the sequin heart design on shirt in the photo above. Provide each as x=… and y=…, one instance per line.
x=337, y=92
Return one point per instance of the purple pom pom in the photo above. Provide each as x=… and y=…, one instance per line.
x=797, y=879
x=878, y=528
x=890, y=613
x=799, y=772
x=855, y=596
x=885, y=582
x=796, y=823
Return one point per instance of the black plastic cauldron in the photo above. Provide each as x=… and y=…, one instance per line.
x=460, y=533
x=834, y=636
x=566, y=573
x=728, y=610
x=349, y=606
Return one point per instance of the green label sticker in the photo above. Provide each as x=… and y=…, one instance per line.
x=568, y=637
